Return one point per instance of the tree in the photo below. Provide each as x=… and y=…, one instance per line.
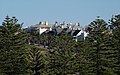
x=101, y=51
x=36, y=60
x=115, y=28
x=82, y=60
x=46, y=38
x=12, y=47
x=62, y=54
x=33, y=36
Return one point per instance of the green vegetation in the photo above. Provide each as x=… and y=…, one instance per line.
x=101, y=51
x=98, y=54
x=36, y=60
x=115, y=27
x=12, y=48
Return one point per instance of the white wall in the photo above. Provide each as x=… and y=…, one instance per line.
x=85, y=34
x=80, y=33
x=41, y=30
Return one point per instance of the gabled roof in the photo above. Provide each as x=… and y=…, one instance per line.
x=41, y=25
x=68, y=30
x=76, y=32
x=59, y=30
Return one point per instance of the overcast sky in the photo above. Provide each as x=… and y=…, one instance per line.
x=83, y=11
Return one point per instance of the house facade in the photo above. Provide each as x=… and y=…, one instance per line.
x=78, y=33
x=42, y=27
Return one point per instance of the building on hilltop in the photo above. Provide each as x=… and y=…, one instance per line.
x=74, y=30
x=79, y=34
x=42, y=27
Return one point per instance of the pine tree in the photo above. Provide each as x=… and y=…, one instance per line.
x=62, y=55
x=36, y=60
x=115, y=28
x=82, y=60
x=12, y=42
x=101, y=51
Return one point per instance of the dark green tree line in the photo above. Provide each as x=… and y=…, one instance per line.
x=101, y=50
x=62, y=55
x=115, y=28
x=37, y=61
x=98, y=54
x=12, y=47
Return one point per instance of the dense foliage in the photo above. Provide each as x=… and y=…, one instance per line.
x=98, y=54
x=12, y=47
x=101, y=51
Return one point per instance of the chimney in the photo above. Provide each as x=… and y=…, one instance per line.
x=46, y=23
x=76, y=23
x=42, y=22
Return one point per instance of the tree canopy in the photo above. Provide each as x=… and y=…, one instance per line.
x=98, y=54
x=12, y=47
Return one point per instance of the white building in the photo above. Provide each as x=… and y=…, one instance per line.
x=79, y=34
x=42, y=27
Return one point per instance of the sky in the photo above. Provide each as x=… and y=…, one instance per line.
x=31, y=12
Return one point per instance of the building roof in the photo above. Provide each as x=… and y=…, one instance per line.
x=41, y=25
x=76, y=27
x=76, y=32
x=59, y=30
